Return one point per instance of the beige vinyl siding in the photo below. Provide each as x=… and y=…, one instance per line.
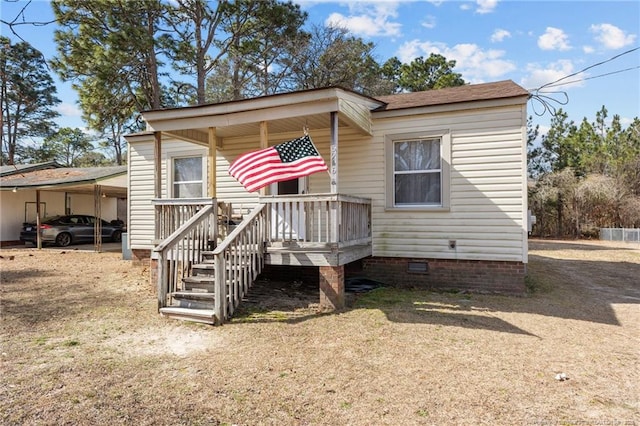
x=486, y=214
x=487, y=185
x=141, y=191
x=141, y=185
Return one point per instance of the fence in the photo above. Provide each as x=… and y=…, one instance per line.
x=620, y=234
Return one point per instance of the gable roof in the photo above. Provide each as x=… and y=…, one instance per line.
x=451, y=95
x=292, y=111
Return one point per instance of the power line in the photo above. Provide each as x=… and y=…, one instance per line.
x=588, y=68
x=547, y=102
x=591, y=78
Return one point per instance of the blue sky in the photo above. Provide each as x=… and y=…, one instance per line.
x=530, y=42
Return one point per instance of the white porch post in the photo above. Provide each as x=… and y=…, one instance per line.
x=157, y=164
x=212, y=162
x=333, y=175
x=333, y=168
x=157, y=178
x=264, y=143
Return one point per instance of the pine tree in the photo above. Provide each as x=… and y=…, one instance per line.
x=27, y=98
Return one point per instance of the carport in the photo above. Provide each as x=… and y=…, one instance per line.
x=24, y=186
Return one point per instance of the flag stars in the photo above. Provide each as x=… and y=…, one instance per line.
x=296, y=149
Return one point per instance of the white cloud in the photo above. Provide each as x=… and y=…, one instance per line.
x=465, y=6
x=486, y=6
x=588, y=49
x=475, y=64
x=368, y=19
x=499, y=35
x=626, y=121
x=554, y=39
x=69, y=110
x=611, y=37
x=429, y=22
x=538, y=75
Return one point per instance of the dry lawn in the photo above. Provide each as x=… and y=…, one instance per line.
x=82, y=343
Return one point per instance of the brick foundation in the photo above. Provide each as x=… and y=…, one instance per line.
x=478, y=276
x=140, y=257
x=332, y=287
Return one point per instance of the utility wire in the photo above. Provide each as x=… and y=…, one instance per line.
x=591, y=78
x=547, y=102
x=588, y=68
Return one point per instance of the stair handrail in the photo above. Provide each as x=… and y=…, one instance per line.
x=245, y=222
x=169, y=243
x=221, y=304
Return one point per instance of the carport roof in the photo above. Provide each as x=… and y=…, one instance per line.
x=23, y=168
x=69, y=179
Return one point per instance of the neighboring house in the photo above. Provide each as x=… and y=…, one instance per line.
x=424, y=189
x=96, y=191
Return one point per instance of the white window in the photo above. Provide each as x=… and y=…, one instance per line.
x=188, y=177
x=418, y=171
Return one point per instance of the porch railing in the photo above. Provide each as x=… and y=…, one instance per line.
x=318, y=220
x=183, y=248
x=171, y=213
x=239, y=259
x=187, y=229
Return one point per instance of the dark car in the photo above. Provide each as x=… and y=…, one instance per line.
x=71, y=229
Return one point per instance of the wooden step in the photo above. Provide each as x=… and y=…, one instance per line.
x=205, y=316
x=203, y=269
x=193, y=299
x=199, y=282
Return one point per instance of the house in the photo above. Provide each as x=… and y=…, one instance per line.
x=423, y=189
x=57, y=190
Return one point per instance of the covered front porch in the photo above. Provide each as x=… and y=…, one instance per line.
x=209, y=250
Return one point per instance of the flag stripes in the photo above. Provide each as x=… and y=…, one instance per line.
x=288, y=160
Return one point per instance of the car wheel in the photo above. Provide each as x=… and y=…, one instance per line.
x=116, y=237
x=63, y=239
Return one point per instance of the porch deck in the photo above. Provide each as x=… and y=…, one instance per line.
x=309, y=256
x=205, y=268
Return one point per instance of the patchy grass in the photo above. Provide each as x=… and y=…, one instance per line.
x=82, y=343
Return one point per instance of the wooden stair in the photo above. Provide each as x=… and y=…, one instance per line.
x=195, y=301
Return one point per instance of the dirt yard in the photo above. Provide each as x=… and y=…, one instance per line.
x=82, y=343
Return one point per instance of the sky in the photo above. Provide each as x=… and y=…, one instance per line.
x=533, y=43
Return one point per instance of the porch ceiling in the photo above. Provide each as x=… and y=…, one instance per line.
x=199, y=135
x=283, y=113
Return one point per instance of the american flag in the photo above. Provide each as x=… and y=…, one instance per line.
x=288, y=160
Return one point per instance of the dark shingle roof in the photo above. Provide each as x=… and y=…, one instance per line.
x=23, y=168
x=61, y=176
x=451, y=95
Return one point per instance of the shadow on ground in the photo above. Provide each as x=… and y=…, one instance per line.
x=583, y=290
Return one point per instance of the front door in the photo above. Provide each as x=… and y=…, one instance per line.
x=288, y=218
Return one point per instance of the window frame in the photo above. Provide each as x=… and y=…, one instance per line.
x=172, y=174
x=445, y=160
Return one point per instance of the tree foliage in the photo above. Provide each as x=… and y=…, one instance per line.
x=109, y=51
x=331, y=56
x=434, y=72
x=588, y=176
x=27, y=98
x=65, y=147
